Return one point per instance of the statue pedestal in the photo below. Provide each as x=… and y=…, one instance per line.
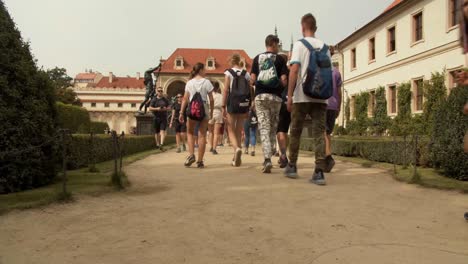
x=144, y=124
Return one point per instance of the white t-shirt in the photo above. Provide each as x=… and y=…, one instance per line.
x=239, y=71
x=203, y=86
x=218, y=100
x=300, y=55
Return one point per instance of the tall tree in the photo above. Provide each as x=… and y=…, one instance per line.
x=62, y=83
x=28, y=115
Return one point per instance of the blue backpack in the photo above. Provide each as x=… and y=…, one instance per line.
x=319, y=81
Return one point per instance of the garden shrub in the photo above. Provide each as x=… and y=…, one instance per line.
x=28, y=115
x=402, y=122
x=450, y=126
x=73, y=117
x=380, y=121
x=435, y=94
x=359, y=125
x=80, y=148
x=377, y=149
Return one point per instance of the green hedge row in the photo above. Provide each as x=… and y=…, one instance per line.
x=73, y=117
x=82, y=150
x=378, y=149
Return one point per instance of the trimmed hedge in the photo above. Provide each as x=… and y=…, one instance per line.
x=81, y=148
x=450, y=127
x=95, y=127
x=73, y=117
x=27, y=114
x=377, y=149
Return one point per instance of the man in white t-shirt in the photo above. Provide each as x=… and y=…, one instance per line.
x=301, y=105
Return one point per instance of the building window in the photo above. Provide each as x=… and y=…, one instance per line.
x=179, y=63
x=120, y=105
x=133, y=105
x=391, y=40
x=353, y=59
x=452, y=77
x=454, y=12
x=418, y=94
x=93, y=104
x=372, y=49
x=106, y=104
x=392, y=91
x=418, y=27
x=371, y=104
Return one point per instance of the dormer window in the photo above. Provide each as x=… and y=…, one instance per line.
x=210, y=63
x=179, y=63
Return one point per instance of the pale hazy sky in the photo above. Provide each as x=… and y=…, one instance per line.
x=127, y=36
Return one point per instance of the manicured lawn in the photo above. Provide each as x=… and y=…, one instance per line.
x=80, y=182
x=428, y=177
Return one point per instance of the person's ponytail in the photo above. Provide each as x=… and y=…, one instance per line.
x=197, y=68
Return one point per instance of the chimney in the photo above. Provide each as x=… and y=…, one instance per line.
x=111, y=76
x=138, y=76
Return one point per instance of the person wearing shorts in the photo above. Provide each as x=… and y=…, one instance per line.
x=159, y=106
x=214, y=125
x=180, y=128
x=333, y=111
x=283, y=125
x=197, y=84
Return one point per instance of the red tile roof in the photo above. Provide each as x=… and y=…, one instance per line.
x=192, y=56
x=85, y=76
x=394, y=4
x=121, y=82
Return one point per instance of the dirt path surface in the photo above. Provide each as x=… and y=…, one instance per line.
x=238, y=215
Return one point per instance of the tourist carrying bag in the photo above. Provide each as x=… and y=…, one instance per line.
x=319, y=81
x=196, y=108
x=239, y=94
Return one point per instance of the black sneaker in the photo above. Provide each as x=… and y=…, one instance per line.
x=291, y=171
x=246, y=152
x=189, y=161
x=252, y=153
x=318, y=178
x=330, y=163
x=211, y=149
x=200, y=165
x=267, y=166
x=466, y=216
x=283, y=161
x=161, y=147
x=215, y=152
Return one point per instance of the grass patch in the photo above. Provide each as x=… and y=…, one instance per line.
x=426, y=177
x=81, y=182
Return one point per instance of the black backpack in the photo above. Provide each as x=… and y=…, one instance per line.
x=239, y=94
x=196, y=108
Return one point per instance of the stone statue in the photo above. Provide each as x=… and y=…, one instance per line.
x=149, y=87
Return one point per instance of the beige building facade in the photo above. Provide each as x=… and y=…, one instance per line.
x=407, y=43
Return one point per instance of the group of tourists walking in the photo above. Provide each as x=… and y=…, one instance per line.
x=274, y=98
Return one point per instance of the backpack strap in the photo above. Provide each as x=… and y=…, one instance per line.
x=307, y=44
x=243, y=73
x=233, y=73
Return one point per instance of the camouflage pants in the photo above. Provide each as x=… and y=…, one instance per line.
x=268, y=119
x=317, y=112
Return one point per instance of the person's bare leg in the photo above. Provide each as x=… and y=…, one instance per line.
x=327, y=145
x=202, y=140
x=177, y=137
x=190, y=136
x=183, y=138
x=239, y=127
x=163, y=136
x=215, y=139
x=211, y=137
x=156, y=139
x=231, y=125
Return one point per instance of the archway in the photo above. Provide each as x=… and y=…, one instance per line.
x=175, y=88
